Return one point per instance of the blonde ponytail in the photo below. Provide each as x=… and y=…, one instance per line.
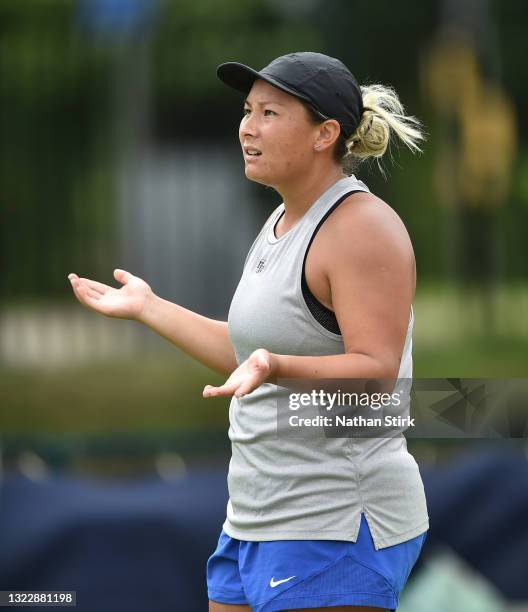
x=384, y=117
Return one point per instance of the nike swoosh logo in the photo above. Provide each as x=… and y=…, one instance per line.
x=274, y=583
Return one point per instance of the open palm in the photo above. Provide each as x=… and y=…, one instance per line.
x=246, y=378
x=126, y=302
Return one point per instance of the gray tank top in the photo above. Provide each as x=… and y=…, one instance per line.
x=287, y=489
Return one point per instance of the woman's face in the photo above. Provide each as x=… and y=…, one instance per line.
x=275, y=127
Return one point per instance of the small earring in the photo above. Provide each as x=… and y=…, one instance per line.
x=316, y=146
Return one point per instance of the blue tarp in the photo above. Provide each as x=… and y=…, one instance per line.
x=130, y=547
x=478, y=506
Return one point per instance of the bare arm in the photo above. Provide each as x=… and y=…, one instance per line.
x=207, y=340
x=204, y=339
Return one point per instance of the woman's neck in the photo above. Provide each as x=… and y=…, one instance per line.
x=299, y=196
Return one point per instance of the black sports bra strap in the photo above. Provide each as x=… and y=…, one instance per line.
x=320, y=312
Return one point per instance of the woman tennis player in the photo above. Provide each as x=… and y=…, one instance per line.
x=326, y=293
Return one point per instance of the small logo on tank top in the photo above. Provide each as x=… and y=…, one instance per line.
x=260, y=266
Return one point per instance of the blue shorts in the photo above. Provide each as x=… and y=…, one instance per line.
x=292, y=574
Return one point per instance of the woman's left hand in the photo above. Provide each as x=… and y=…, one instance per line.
x=246, y=378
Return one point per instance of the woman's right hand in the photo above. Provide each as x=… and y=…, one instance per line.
x=127, y=302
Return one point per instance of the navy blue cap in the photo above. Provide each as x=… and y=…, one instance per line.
x=323, y=81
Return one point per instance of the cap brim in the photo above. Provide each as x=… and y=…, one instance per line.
x=238, y=76
x=241, y=77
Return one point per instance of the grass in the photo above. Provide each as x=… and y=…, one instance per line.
x=474, y=357
x=151, y=395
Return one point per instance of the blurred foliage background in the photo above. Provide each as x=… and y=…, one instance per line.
x=119, y=149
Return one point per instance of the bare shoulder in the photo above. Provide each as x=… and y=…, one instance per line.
x=364, y=223
x=365, y=212
x=364, y=233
